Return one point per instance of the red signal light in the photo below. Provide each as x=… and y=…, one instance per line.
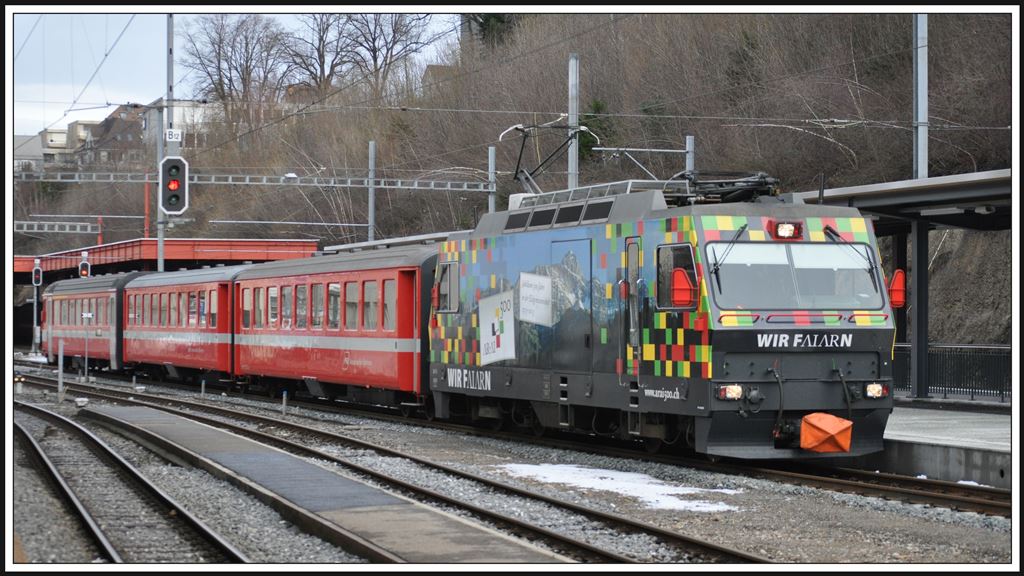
x=174, y=185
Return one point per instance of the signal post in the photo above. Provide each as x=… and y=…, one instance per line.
x=37, y=280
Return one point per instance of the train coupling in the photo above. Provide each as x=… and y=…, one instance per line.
x=816, y=432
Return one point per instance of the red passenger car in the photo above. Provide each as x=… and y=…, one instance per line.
x=83, y=313
x=179, y=323
x=346, y=326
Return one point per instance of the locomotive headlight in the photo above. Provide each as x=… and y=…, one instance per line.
x=787, y=230
x=730, y=392
x=876, y=390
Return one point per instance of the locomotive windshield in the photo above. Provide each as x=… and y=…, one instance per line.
x=793, y=276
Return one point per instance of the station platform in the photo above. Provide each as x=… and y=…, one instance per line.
x=947, y=439
x=404, y=530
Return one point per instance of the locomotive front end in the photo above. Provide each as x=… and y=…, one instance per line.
x=802, y=334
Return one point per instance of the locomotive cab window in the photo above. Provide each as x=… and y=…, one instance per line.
x=447, y=287
x=812, y=276
x=677, y=277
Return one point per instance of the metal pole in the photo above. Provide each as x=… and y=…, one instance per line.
x=145, y=227
x=35, y=313
x=160, y=216
x=371, y=216
x=919, y=310
x=920, y=95
x=490, y=179
x=690, y=153
x=918, y=229
x=86, y=351
x=173, y=148
x=35, y=320
x=574, y=120
x=60, y=370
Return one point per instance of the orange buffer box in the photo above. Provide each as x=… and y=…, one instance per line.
x=821, y=432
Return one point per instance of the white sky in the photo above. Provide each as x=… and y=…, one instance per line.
x=55, y=52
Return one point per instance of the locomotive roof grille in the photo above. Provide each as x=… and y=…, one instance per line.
x=690, y=189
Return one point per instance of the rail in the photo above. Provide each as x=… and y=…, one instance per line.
x=960, y=371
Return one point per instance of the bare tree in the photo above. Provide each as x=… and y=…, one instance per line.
x=241, y=64
x=382, y=41
x=320, y=51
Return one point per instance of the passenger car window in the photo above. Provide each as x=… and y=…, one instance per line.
x=301, y=311
x=334, y=306
x=390, y=301
x=370, y=299
x=318, y=305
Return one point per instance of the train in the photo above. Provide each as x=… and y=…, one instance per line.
x=712, y=315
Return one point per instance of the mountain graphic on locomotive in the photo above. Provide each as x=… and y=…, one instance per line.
x=700, y=312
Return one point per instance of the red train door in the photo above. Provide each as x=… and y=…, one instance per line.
x=403, y=301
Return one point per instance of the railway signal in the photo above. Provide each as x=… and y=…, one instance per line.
x=37, y=276
x=173, y=185
x=83, y=267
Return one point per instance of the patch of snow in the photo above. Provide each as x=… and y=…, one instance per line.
x=973, y=483
x=653, y=492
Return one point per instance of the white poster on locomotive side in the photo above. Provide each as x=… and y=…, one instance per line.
x=535, y=299
x=497, y=328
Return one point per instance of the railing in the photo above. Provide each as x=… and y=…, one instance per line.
x=960, y=371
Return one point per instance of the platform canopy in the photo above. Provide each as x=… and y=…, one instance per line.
x=976, y=201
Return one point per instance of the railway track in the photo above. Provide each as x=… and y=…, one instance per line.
x=963, y=497
x=128, y=517
x=299, y=440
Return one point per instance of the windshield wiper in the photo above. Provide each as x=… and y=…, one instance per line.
x=836, y=237
x=728, y=248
